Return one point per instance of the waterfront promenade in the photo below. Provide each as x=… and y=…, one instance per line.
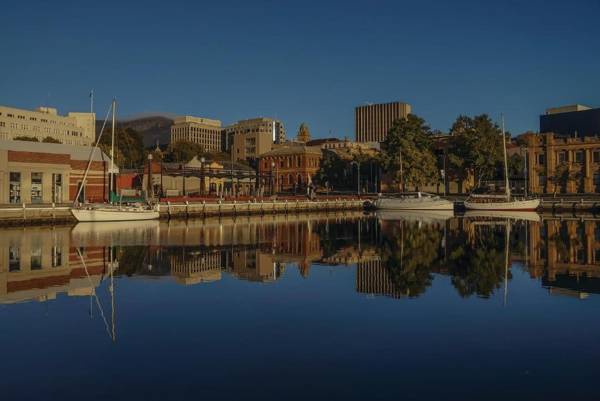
x=193, y=207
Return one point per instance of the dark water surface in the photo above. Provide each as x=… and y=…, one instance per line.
x=344, y=306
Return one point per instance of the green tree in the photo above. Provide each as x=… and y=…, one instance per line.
x=516, y=165
x=475, y=149
x=183, y=151
x=49, y=139
x=407, y=153
x=333, y=171
x=562, y=176
x=26, y=138
x=129, y=147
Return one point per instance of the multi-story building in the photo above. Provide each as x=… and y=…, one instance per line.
x=251, y=138
x=203, y=131
x=372, y=122
x=33, y=172
x=546, y=152
x=574, y=120
x=289, y=167
x=72, y=129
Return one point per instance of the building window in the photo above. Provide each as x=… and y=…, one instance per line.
x=579, y=156
x=14, y=259
x=56, y=256
x=36, y=187
x=14, y=188
x=57, y=188
x=542, y=180
x=36, y=258
x=562, y=157
x=596, y=156
x=541, y=159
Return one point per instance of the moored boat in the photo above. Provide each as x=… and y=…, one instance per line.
x=500, y=203
x=110, y=211
x=505, y=201
x=413, y=201
x=93, y=213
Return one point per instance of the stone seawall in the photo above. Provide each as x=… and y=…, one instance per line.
x=49, y=214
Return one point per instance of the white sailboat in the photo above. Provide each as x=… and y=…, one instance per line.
x=504, y=202
x=412, y=200
x=109, y=211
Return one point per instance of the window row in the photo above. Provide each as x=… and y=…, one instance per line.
x=35, y=259
x=36, y=187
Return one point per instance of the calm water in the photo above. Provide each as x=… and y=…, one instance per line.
x=344, y=306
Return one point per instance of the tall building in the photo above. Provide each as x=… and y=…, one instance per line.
x=203, y=131
x=372, y=122
x=574, y=120
x=251, y=138
x=72, y=129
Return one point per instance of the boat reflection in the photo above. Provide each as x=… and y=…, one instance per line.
x=395, y=255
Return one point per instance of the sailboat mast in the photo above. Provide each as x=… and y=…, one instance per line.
x=505, y=161
x=112, y=152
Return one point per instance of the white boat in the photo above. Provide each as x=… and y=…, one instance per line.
x=93, y=213
x=503, y=202
x=109, y=211
x=500, y=203
x=413, y=201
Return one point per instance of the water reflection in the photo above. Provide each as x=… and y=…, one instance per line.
x=395, y=255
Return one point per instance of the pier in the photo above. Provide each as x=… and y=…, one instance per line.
x=55, y=214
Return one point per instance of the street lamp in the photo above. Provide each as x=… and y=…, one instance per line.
x=202, y=184
x=150, y=186
x=357, y=176
x=272, y=180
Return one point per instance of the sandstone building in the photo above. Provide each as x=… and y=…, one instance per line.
x=203, y=131
x=250, y=138
x=72, y=129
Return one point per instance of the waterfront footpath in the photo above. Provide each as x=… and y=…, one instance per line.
x=184, y=208
x=28, y=214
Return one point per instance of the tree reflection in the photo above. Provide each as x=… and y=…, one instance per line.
x=410, y=252
x=477, y=262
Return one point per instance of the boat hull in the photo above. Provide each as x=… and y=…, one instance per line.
x=519, y=205
x=94, y=215
x=400, y=204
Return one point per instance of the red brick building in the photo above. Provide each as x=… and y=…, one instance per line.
x=289, y=167
x=34, y=172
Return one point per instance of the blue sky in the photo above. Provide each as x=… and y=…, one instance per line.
x=311, y=61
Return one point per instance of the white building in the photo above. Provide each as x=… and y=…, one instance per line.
x=72, y=129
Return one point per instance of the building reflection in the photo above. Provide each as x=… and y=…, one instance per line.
x=394, y=258
x=38, y=264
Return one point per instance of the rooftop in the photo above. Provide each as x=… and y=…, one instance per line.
x=76, y=152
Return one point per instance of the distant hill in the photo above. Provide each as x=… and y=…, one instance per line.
x=150, y=128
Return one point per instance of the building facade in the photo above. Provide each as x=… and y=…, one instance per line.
x=72, y=129
x=251, y=138
x=32, y=172
x=289, y=168
x=574, y=120
x=372, y=122
x=203, y=131
x=579, y=158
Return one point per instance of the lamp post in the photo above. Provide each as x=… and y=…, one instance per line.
x=202, y=183
x=150, y=186
x=272, y=180
x=357, y=176
x=524, y=150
